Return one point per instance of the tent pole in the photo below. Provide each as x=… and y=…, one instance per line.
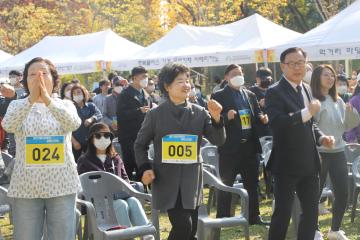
x=347, y=67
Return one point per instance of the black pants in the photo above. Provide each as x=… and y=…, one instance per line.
x=247, y=164
x=183, y=222
x=335, y=165
x=127, y=148
x=307, y=190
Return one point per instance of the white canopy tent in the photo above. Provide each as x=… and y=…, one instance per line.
x=336, y=39
x=76, y=54
x=237, y=42
x=4, y=56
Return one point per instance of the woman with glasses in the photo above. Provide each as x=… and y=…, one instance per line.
x=101, y=156
x=334, y=118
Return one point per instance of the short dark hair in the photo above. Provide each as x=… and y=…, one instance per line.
x=75, y=81
x=291, y=50
x=263, y=72
x=138, y=70
x=15, y=72
x=83, y=90
x=111, y=75
x=316, y=83
x=52, y=68
x=103, y=82
x=230, y=68
x=169, y=72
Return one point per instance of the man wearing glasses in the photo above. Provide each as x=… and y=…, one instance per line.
x=294, y=160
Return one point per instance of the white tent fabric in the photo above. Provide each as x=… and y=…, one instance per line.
x=76, y=54
x=4, y=56
x=212, y=46
x=336, y=39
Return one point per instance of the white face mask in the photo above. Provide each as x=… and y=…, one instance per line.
x=144, y=82
x=237, y=81
x=102, y=157
x=307, y=77
x=102, y=143
x=68, y=94
x=78, y=98
x=342, y=89
x=13, y=81
x=118, y=89
x=192, y=92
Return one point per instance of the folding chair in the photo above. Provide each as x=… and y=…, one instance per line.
x=98, y=195
x=356, y=179
x=208, y=226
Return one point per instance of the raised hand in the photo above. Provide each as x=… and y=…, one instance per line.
x=44, y=95
x=148, y=177
x=34, y=90
x=215, y=109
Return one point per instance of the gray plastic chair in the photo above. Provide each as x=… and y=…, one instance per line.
x=356, y=178
x=352, y=151
x=98, y=194
x=5, y=204
x=207, y=225
x=210, y=156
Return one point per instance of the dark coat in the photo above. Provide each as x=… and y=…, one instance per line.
x=233, y=127
x=294, y=142
x=88, y=162
x=129, y=115
x=170, y=179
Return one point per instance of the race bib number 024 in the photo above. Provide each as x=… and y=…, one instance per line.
x=179, y=149
x=42, y=151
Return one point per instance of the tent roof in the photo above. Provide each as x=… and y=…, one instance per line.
x=337, y=38
x=99, y=46
x=253, y=32
x=4, y=56
x=244, y=36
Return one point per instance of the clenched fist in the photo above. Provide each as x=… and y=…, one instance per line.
x=215, y=109
x=148, y=177
x=314, y=107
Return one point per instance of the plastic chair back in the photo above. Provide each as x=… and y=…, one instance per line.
x=210, y=156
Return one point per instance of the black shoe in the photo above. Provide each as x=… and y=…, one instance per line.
x=259, y=221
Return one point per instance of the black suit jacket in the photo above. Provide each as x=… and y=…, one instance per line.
x=294, y=142
x=129, y=116
x=233, y=127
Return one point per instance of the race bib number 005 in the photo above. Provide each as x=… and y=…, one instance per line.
x=44, y=151
x=179, y=149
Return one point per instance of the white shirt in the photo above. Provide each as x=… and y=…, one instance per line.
x=58, y=118
x=305, y=113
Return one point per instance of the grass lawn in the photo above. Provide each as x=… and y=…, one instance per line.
x=256, y=232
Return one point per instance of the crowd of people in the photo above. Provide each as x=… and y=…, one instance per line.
x=58, y=131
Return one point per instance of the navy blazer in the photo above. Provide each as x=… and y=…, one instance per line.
x=233, y=127
x=294, y=142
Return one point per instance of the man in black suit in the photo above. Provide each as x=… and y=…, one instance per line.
x=242, y=115
x=132, y=104
x=294, y=160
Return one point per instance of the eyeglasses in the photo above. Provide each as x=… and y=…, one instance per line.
x=300, y=64
x=105, y=135
x=327, y=75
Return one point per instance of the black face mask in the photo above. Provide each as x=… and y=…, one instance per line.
x=265, y=83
